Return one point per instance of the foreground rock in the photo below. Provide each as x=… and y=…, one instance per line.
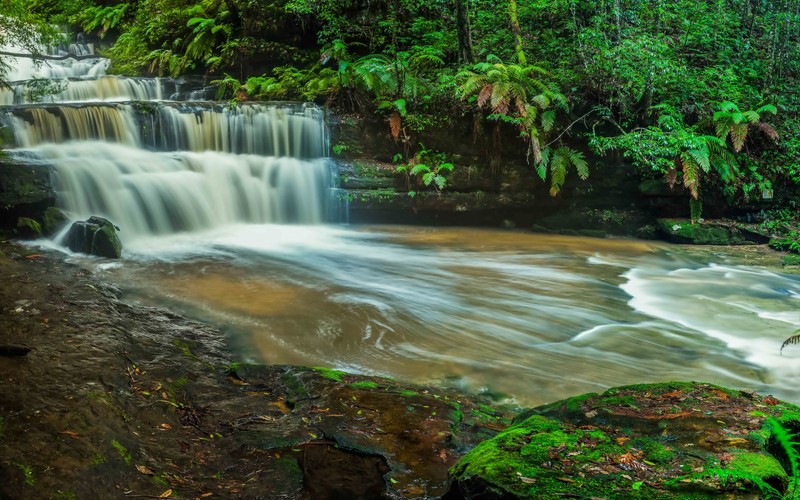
x=673, y=440
x=95, y=236
x=117, y=400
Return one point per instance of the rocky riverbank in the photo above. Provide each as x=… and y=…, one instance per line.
x=100, y=398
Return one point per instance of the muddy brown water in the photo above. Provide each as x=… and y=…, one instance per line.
x=529, y=317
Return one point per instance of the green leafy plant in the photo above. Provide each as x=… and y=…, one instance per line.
x=686, y=154
x=788, y=445
x=516, y=94
x=427, y=168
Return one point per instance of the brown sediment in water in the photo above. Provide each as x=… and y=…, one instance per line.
x=117, y=400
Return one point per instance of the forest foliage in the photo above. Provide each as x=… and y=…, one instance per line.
x=701, y=94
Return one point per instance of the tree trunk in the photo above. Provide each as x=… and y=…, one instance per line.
x=517, y=32
x=465, y=52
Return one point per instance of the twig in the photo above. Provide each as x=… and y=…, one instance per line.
x=569, y=127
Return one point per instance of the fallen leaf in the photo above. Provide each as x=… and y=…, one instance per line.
x=565, y=480
x=34, y=256
x=166, y=426
x=204, y=495
x=72, y=434
x=146, y=470
x=720, y=394
x=166, y=494
x=622, y=440
x=771, y=401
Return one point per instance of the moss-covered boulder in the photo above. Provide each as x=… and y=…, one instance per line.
x=708, y=232
x=675, y=440
x=53, y=219
x=94, y=236
x=28, y=228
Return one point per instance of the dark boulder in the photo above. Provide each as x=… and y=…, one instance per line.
x=95, y=236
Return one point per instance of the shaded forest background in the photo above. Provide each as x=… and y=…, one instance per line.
x=699, y=94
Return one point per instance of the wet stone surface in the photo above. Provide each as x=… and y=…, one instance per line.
x=117, y=400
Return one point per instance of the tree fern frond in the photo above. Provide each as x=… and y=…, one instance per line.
x=789, y=444
x=738, y=136
x=767, y=130
x=548, y=119
x=727, y=476
x=690, y=174
x=751, y=116
x=484, y=95
x=728, y=107
x=794, y=339
x=558, y=169
x=578, y=161
x=500, y=98
x=701, y=157
x=767, y=108
x=541, y=100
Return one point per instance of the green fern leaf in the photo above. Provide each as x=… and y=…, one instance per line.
x=701, y=157
x=548, y=119
x=767, y=108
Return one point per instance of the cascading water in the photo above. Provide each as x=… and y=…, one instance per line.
x=159, y=167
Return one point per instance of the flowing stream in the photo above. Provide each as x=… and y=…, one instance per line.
x=231, y=215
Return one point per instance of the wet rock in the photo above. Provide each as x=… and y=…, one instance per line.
x=708, y=232
x=25, y=191
x=95, y=236
x=28, y=228
x=672, y=440
x=53, y=219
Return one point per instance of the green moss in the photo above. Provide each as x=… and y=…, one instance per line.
x=683, y=231
x=329, y=373
x=654, y=451
x=53, y=219
x=123, y=452
x=521, y=461
x=29, y=226
x=406, y=393
x=364, y=384
x=761, y=465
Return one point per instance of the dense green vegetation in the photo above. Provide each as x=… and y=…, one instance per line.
x=700, y=94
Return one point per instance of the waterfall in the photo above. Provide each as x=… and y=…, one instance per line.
x=153, y=166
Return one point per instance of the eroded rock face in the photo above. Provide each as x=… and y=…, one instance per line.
x=673, y=440
x=95, y=236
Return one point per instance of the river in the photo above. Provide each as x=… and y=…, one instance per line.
x=517, y=315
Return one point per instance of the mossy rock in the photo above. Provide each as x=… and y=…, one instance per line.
x=702, y=233
x=28, y=228
x=53, y=219
x=671, y=440
x=94, y=236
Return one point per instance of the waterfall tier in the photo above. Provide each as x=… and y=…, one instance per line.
x=155, y=167
x=271, y=130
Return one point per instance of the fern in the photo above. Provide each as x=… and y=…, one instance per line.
x=728, y=476
x=788, y=444
x=794, y=339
